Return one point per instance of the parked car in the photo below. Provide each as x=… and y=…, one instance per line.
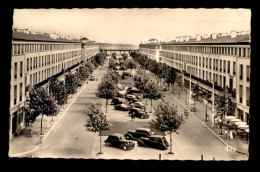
x=115, y=68
x=155, y=141
x=131, y=90
x=164, y=89
x=138, y=112
x=126, y=74
x=139, y=105
x=92, y=78
x=122, y=106
x=130, y=97
x=116, y=101
x=117, y=140
x=122, y=68
x=134, y=100
x=119, y=94
x=140, y=132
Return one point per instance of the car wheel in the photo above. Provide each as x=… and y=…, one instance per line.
x=124, y=148
x=140, y=144
x=142, y=117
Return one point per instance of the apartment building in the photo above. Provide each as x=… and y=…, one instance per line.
x=222, y=58
x=35, y=58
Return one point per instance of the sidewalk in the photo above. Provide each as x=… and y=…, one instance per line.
x=24, y=144
x=241, y=146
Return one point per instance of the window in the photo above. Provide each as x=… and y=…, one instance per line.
x=247, y=96
x=240, y=93
x=234, y=68
x=220, y=65
x=27, y=64
x=224, y=66
x=247, y=73
x=15, y=94
x=21, y=91
x=36, y=62
x=21, y=69
x=15, y=70
x=31, y=79
x=241, y=72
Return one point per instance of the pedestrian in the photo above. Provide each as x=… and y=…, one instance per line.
x=132, y=116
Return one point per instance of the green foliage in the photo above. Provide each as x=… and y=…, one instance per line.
x=129, y=63
x=124, y=56
x=58, y=91
x=112, y=63
x=99, y=58
x=179, y=79
x=90, y=67
x=167, y=118
x=170, y=75
x=152, y=89
x=113, y=76
x=97, y=119
x=113, y=55
x=107, y=88
x=71, y=83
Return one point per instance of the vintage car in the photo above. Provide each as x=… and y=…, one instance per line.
x=118, y=140
x=137, y=112
x=130, y=97
x=155, y=141
x=138, y=104
x=116, y=101
x=122, y=106
x=140, y=132
x=92, y=78
x=131, y=90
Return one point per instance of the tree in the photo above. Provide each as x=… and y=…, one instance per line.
x=112, y=63
x=113, y=76
x=100, y=58
x=179, y=81
x=152, y=91
x=83, y=73
x=130, y=64
x=90, y=67
x=107, y=89
x=71, y=83
x=97, y=121
x=167, y=119
x=41, y=103
x=124, y=56
x=113, y=55
x=170, y=76
x=58, y=91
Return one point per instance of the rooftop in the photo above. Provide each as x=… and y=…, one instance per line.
x=39, y=37
x=219, y=40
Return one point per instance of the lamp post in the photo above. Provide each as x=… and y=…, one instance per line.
x=206, y=114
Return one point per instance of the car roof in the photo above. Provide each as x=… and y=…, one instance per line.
x=146, y=129
x=157, y=136
x=116, y=134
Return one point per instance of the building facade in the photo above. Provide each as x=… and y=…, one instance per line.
x=222, y=58
x=36, y=58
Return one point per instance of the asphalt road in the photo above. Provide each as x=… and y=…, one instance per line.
x=69, y=139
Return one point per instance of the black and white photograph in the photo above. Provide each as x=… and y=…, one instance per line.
x=130, y=84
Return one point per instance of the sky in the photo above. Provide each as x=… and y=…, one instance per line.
x=132, y=26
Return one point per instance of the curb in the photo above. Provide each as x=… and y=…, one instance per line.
x=48, y=132
x=205, y=125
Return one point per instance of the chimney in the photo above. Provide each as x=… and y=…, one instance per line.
x=214, y=35
x=198, y=37
x=178, y=39
x=182, y=38
x=206, y=36
x=187, y=38
x=233, y=34
x=33, y=31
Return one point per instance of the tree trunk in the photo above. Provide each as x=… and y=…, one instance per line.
x=106, y=104
x=170, y=143
x=41, y=123
x=100, y=142
x=151, y=105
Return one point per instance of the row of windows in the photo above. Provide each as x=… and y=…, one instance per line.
x=146, y=51
x=40, y=76
x=24, y=48
x=34, y=62
x=207, y=62
x=218, y=79
x=233, y=51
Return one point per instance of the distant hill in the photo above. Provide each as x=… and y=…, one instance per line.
x=117, y=46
